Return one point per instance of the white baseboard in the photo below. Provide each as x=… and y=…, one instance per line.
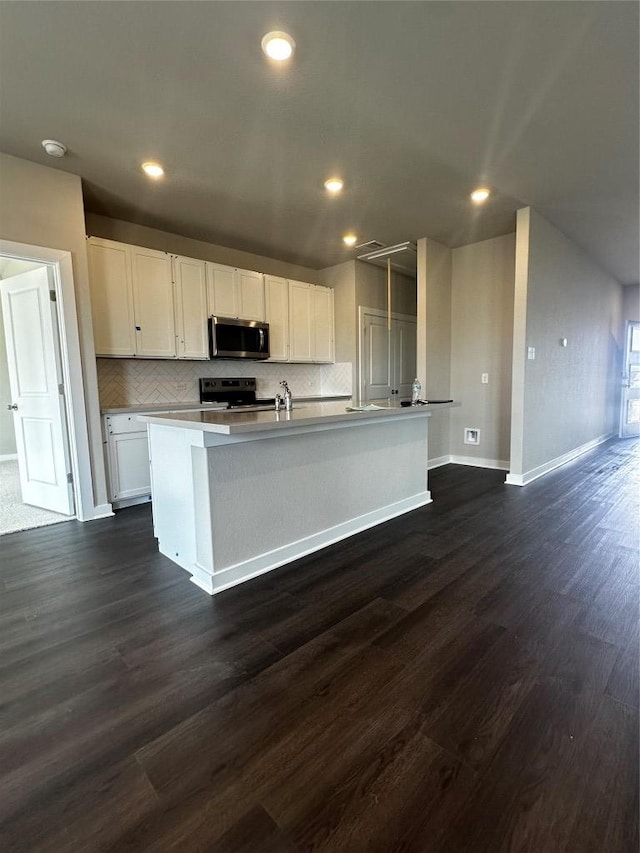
x=100, y=511
x=8, y=457
x=552, y=464
x=437, y=462
x=262, y=563
x=477, y=462
x=499, y=464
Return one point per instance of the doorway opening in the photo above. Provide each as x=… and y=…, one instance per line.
x=630, y=397
x=36, y=480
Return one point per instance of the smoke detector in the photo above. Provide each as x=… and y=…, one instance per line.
x=54, y=148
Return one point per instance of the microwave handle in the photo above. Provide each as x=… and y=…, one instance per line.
x=261, y=339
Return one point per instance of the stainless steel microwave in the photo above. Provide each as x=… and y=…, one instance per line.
x=231, y=338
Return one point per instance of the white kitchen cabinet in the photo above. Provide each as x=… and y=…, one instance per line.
x=131, y=300
x=153, y=303
x=111, y=289
x=190, y=294
x=301, y=337
x=234, y=292
x=127, y=455
x=323, y=324
x=276, y=303
x=311, y=323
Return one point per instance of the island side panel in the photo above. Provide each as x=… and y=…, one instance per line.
x=276, y=499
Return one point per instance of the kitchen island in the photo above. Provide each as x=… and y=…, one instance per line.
x=236, y=494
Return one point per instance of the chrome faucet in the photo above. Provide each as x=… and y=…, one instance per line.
x=288, y=398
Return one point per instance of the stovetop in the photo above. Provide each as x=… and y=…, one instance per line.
x=237, y=393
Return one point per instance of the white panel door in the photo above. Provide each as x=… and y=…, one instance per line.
x=301, y=335
x=35, y=378
x=276, y=298
x=403, y=334
x=153, y=303
x=191, y=308
x=376, y=367
x=250, y=294
x=222, y=293
x=323, y=324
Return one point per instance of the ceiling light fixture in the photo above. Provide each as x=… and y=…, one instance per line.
x=54, y=148
x=153, y=170
x=480, y=195
x=350, y=239
x=278, y=45
x=334, y=185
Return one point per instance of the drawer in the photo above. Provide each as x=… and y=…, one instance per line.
x=124, y=422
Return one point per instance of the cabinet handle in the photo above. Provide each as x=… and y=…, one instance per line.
x=138, y=329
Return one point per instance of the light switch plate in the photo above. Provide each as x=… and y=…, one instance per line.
x=485, y=378
x=531, y=353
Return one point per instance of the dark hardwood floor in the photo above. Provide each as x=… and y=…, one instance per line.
x=462, y=678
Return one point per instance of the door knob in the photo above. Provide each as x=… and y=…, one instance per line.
x=11, y=406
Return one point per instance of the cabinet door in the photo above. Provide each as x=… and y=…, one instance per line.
x=276, y=297
x=129, y=469
x=250, y=287
x=222, y=293
x=191, y=308
x=111, y=297
x=153, y=303
x=301, y=347
x=323, y=324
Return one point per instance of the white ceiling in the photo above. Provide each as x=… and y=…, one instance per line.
x=413, y=103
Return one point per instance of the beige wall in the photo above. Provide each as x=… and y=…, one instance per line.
x=44, y=207
x=481, y=342
x=434, y=337
x=163, y=241
x=371, y=289
x=631, y=302
x=568, y=396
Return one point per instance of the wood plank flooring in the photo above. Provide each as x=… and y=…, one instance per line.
x=462, y=678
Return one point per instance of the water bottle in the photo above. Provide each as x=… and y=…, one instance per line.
x=416, y=388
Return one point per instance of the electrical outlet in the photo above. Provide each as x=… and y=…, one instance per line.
x=485, y=378
x=531, y=353
x=181, y=386
x=471, y=435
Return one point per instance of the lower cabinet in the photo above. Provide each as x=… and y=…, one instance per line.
x=127, y=457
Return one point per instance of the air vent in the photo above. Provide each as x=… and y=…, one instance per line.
x=371, y=246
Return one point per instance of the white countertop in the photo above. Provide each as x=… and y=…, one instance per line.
x=237, y=422
x=195, y=406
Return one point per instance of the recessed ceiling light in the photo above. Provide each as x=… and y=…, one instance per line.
x=153, y=170
x=334, y=185
x=350, y=239
x=53, y=148
x=480, y=195
x=278, y=45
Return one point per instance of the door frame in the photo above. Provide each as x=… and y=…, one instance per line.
x=61, y=266
x=376, y=312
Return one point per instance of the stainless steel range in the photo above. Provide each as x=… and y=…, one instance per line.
x=235, y=393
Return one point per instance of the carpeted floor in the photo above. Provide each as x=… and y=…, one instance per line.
x=15, y=515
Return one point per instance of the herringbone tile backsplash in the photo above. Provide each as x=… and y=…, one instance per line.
x=127, y=381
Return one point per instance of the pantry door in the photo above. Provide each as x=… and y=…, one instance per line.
x=37, y=393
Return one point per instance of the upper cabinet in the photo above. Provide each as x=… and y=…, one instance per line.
x=276, y=307
x=131, y=300
x=311, y=322
x=150, y=304
x=190, y=294
x=233, y=292
x=153, y=303
x=111, y=289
